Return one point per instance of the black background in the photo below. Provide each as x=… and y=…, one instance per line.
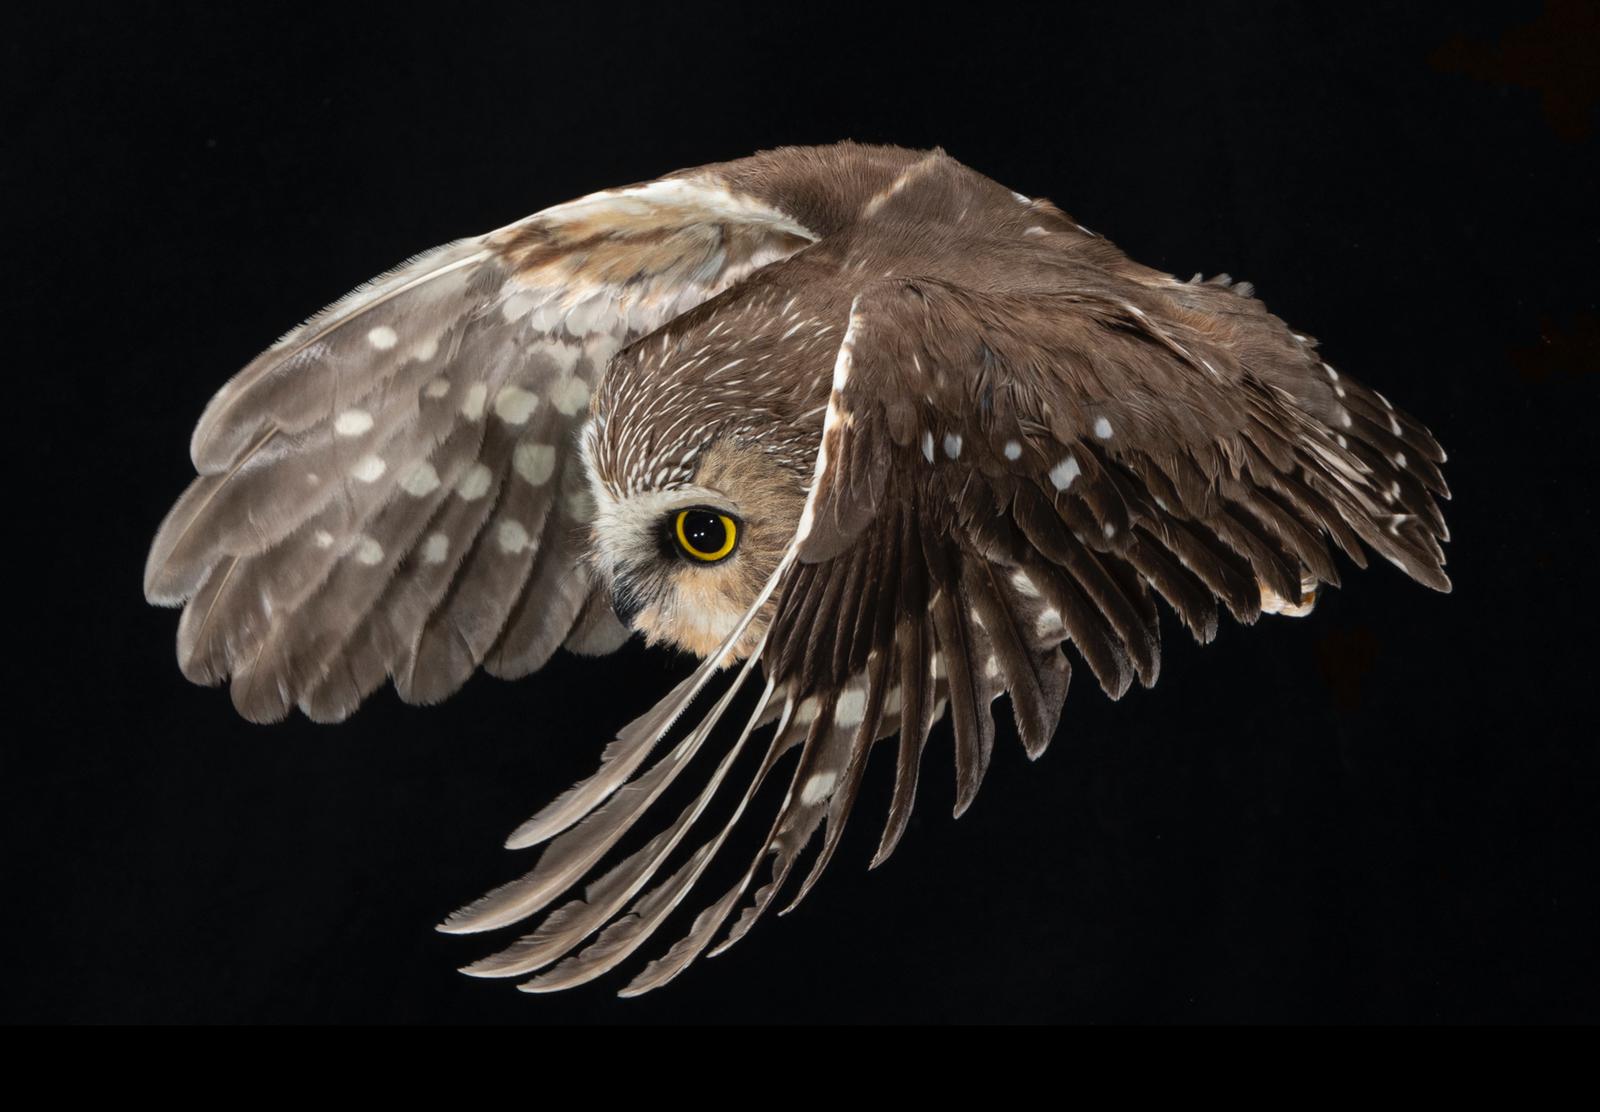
x=1385, y=812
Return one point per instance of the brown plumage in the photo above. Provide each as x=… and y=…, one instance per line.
x=938, y=428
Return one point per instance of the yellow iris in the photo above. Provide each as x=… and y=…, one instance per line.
x=705, y=534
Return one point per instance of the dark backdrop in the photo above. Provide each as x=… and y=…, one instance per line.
x=1383, y=813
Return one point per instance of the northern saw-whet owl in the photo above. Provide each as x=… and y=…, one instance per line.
x=855, y=421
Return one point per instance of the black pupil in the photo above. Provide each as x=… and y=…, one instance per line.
x=705, y=531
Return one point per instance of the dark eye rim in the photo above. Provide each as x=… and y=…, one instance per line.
x=680, y=543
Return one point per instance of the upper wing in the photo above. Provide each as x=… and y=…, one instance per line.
x=393, y=488
x=1019, y=469
x=999, y=472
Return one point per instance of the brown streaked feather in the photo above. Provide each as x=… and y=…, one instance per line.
x=969, y=715
x=1185, y=592
x=824, y=753
x=565, y=927
x=914, y=645
x=843, y=800
x=1028, y=675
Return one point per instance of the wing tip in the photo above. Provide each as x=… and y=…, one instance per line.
x=540, y=828
x=472, y=970
x=463, y=921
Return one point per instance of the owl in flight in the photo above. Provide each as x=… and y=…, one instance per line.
x=855, y=421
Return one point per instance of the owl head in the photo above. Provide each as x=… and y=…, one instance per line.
x=687, y=550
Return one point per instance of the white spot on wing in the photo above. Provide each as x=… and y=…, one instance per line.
x=368, y=551
x=851, y=708
x=534, y=462
x=382, y=337
x=514, y=405
x=952, y=444
x=420, y=479
x=435, y=548
x=369, y=469
x=474, y=484
x=891, y=701
x=512, y=537
x=927, y=446
x=518, y=305
x=570, y=395
x=816, y=789
x=352, y=422
x=1013, y=450
x=472, y=402
x=1102, y=428
x=426, y=350
x=1024, y=583
x=1062, y=474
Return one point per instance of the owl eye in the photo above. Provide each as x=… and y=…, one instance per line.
x=706, y=535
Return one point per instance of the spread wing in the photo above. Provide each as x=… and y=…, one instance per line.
x=392, y=490
x=1000, y=472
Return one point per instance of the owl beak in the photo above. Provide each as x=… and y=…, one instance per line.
x=627, y=605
